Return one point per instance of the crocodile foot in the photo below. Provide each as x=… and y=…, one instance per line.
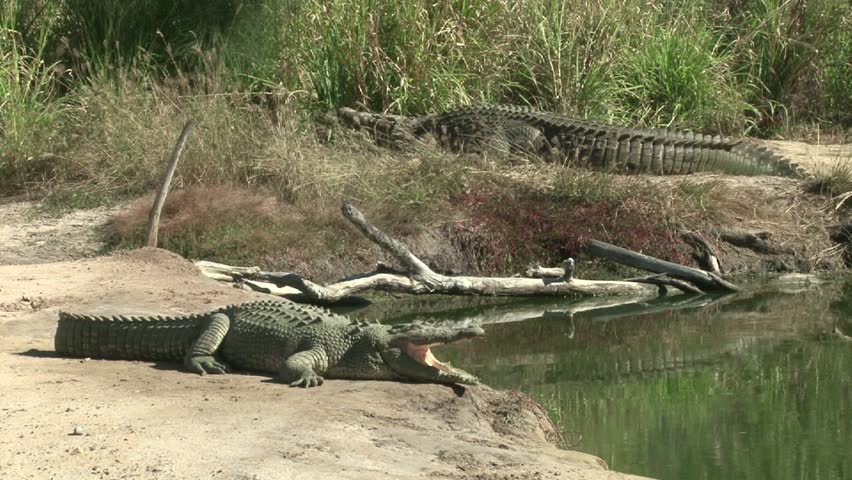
x=205, y=364
x=308, y=380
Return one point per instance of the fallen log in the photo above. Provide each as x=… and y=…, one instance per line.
x=417, y=278
x=294, y=287
x=661, y=280
x=707, y=281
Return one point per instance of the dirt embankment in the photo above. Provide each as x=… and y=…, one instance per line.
x=143, y=420
x=755, y=224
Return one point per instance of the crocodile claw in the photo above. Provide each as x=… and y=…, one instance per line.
x=206, y=364
x=312, y=380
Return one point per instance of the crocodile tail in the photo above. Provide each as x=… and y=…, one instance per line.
x=654, y=150
x=676, y=153
x=125, y=337
x=762, y=160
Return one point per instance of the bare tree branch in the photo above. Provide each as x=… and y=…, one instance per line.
x=154, y=215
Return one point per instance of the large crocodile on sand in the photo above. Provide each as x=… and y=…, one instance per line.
x=523, y=130
x=300, y=343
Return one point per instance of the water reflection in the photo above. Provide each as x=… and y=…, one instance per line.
x=750, y=386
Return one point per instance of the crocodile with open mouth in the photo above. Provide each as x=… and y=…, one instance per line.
x=302, y=344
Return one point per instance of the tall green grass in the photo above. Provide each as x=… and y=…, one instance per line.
x=401, y=56
x=677, y=77
x=109, y=35
x=563, y=53
x=836, y=100
x=92, y=91
x=30, y=112
x=788, y=60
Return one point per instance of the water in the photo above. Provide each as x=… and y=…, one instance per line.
x=747, y=387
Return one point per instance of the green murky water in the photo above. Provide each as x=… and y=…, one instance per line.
x=752, y=386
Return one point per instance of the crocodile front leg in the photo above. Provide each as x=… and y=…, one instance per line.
x=200, y=358
x=301, y=368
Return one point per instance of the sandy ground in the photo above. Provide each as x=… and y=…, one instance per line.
x=145, y=420
x=29, y=235
x=812, y=158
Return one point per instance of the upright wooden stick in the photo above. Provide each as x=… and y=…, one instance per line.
x=154, y=214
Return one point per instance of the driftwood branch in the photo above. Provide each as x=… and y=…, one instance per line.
x=293, y=286
x=417, y=277
x=422, y=279
x=396, y=248
x=704, y=280
x=661, y=279
x=154, y=215
x=756, y=242
x=565, y=271
x=462, y=285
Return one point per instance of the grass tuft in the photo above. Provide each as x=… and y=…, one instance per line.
x=234, y=225
x=835, y=182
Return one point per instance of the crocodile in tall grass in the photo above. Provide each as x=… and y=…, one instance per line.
x=554, y=137
x=300, y=343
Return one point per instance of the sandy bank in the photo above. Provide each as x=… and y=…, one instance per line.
x=141, y=420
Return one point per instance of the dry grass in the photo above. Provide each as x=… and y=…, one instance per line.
x=234, y=225
x=205, y=222
x=270, y=195
x=834, y=180
x=495, y=219
x=124, y=140
x=240, y=226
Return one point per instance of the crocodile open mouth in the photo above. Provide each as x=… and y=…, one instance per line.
x=423, y=354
